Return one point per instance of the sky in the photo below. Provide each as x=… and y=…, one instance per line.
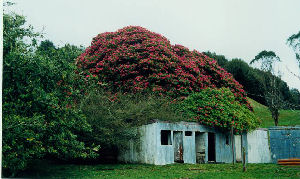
x=234, y=28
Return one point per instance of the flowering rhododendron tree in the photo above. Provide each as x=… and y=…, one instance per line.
x=218, y=108
x=135, y=59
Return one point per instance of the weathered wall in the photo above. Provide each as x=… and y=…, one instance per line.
x=284, y=142
x=164, y=153
x=261, y=147
x=189, y=152
x=223, y=151
x=258, y=147
x=150, y=150
x=143, y=151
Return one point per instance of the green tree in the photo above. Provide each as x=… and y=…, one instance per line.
x=295, y=98
x=39, y=113
x=217, y=108
x=294, y=42
x=222, y=61
x=114, y=117
x=46, y=47
x=248, y=77
x=271, y=82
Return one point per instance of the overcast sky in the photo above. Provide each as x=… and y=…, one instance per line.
x=234, y=28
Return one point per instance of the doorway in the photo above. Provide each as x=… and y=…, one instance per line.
x=200, y=147
x=211, y=147
x=178, y=146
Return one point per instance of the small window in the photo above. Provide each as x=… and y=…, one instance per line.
x=227, y=139
x=188, y=133
x=166, y=137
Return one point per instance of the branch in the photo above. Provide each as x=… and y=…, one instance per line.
x=297, y=76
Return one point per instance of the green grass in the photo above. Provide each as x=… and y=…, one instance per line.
x=166, y=171
x=286, y=117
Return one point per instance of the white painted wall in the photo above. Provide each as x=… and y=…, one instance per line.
x=258, y=147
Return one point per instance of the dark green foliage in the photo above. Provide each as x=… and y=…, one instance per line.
x=222, y=61
x=22, y=141
x=39, y=96
x=253, y=79
x=46, y=46
x=294, y=42
x=217, y=108
x=265, y=54
x=248, y=77
x=294, y=99
x=113, y=117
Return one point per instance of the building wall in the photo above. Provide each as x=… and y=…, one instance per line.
x=164, y=153
x=258, y=147
x=223, y=151
x=150, y=150
x=143, y=151
x=262, y=146
x=189, y=153
x=284, y=142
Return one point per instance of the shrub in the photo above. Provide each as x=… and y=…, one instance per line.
x=218, y=108
x=113, y=116
x=22, y=142
x=133, y=59
x=39, y=95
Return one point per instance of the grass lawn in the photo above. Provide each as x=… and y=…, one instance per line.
x=286, y=117
x=166, y=171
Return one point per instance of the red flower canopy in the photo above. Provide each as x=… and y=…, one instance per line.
x=134, y=59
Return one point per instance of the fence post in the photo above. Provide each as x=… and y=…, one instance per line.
x=244, y=160
x=233, y=147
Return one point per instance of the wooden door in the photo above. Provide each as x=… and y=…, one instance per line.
x=178, y=146
x=200, y=147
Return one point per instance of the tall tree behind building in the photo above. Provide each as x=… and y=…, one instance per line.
x=271, y=81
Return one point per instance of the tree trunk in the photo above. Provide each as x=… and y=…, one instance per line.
x=276, y=121
x=276, y=115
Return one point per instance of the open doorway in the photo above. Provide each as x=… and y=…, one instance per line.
x=178, y=146
x=211, y=147
x=200, y=147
